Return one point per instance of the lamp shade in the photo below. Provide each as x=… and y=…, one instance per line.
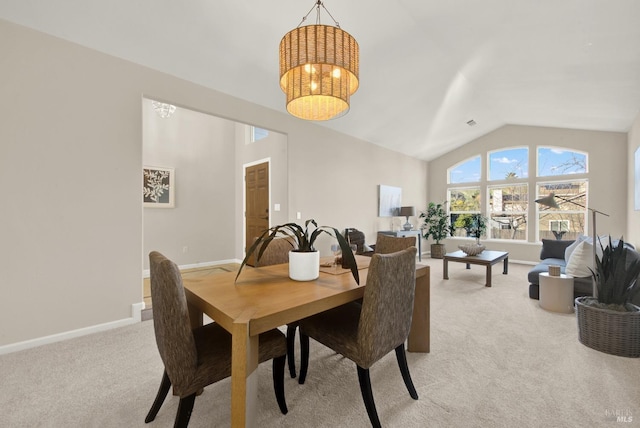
x=407, y=211
x=548, y=201
x=319, y=66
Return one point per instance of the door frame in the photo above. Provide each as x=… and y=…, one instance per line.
x=266, y=160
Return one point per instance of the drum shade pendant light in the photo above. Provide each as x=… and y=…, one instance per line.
x=319, y=67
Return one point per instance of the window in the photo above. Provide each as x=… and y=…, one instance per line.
x=467, y=171
x=258, y=134
x=462, y=203
x=569, y=220
x=509, y=164
x=509, y=187
x=508, y=207
x=558, y=161
x=559, y=225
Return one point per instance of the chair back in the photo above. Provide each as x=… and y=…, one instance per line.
x=355, y=236
x=387, y=305
x=171, y=322
x=276, y=253
x=387, y=244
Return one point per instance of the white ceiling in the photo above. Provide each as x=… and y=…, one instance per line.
x=426, y=66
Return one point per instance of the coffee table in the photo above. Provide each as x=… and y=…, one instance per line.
x=486, y=258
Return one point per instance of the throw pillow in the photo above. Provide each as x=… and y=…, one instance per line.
x=572, y=247
x=553, y=249
x=580, y=261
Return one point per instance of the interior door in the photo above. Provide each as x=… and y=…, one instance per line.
x=256, y=203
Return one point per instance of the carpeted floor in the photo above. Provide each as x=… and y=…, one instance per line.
x=497, y=360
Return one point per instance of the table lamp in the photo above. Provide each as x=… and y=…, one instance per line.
x=550, y=201
x=407, y=212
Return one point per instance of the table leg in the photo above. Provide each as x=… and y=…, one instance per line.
x=488, y=284
x=244, y=377
x=195, y=316
x=505, y=268
x=419, y=336
x=445, y=269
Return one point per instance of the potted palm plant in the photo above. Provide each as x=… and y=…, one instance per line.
x=304, y=259
x=436, y=225
x=609, y=322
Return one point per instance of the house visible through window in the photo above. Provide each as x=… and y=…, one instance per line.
x=508, y=208
x=569, y=220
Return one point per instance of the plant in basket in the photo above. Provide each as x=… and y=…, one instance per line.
x=609, y=322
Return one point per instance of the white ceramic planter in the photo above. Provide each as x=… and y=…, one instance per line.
x=304, y=266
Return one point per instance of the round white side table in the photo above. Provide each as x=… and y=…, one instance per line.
x=556, y=293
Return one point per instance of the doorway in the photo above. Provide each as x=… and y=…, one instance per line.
x=206, y=226
x=256, y=178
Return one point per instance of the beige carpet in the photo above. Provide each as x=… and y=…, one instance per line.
x=497, y=360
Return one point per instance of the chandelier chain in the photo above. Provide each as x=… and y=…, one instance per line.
x=317, y=7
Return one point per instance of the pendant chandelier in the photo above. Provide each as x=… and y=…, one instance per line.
x=319, y=67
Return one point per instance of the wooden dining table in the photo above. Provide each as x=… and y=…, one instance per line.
x=265, y=298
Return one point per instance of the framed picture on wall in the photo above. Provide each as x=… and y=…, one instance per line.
x=389, y=201
x=637, y=179
x=158, y=187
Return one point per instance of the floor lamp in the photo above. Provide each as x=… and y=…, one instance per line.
x=550, y=201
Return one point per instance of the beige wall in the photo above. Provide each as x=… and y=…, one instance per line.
x=607, y=176
x=633, y=215
x=70, y=162
x=208, y=154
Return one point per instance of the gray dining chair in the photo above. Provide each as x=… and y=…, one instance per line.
x=386, y=244
x=277, y=252
x=364, y=333
x=194, y=359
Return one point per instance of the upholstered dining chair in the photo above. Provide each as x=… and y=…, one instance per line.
x=386, y=244
x=364, y=333
x=355, y=236
x=277, y=252
x=194, y=359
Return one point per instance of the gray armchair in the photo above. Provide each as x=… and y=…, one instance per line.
x=355, y=236
x=366, y=332
x=194, y=359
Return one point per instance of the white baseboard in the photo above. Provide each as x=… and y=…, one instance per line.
x=146, y=272
x=136, y=317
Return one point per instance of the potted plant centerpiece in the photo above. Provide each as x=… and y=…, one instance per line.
x=304, y=259
x=436, y=225
x=609, y=322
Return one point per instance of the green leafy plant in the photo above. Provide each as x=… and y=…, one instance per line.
x=436, y=222
x=303, y=241
x=616, y=282
x=474, y=224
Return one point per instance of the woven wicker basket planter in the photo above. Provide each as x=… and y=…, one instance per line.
x=437, y=251
x=612, y=332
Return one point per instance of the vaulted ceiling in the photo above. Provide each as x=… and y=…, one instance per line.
x=427, y=67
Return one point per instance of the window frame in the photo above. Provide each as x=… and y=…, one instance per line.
x=533, y=229
x=491, y=213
